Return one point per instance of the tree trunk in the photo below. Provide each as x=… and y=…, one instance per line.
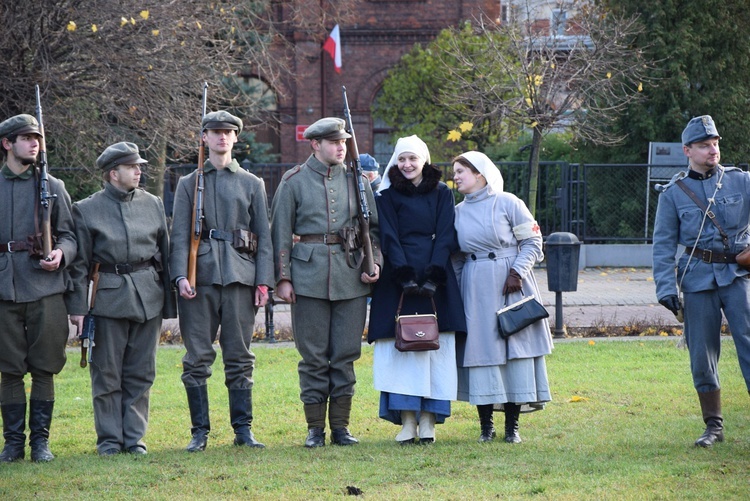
x=156, y=168
x=536, y=146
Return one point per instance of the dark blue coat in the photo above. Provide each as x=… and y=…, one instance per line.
x=417, y=237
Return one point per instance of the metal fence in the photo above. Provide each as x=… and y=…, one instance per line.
x=599, y=203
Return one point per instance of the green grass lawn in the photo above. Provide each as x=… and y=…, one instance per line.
x=621, y=426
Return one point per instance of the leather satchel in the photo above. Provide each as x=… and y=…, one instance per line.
x=743, y=258
x=417, y=332
x=519, y=315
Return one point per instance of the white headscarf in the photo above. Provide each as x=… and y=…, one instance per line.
x=412, y=144
x=486, y=168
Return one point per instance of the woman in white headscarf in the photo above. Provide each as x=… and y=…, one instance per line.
x=417, y=237
x=500, y=243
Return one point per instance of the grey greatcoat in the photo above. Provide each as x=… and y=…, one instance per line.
x=117, y=227
x=39, y=345
x=329, y=316
x=233, y=199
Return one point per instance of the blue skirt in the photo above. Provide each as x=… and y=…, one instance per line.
x=391, y=405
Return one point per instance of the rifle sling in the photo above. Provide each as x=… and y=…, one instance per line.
x=709, y=213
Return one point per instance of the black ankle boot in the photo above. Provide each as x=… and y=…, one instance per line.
x=40, y=419
x=14, y=425
x=241, y=415
x=197, y=397
x=486, y=423
x=512, y=411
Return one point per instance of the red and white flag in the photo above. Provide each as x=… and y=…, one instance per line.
x=333, y=47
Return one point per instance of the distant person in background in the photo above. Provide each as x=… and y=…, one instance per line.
x=500, y=244
x=707, y=273
x=371, y=169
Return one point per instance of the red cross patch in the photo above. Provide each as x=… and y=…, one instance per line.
x=536, y=228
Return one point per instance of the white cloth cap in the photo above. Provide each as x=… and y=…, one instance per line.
x=412, y=144
x=487, y=168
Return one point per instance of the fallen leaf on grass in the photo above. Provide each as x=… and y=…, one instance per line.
x=576, y=398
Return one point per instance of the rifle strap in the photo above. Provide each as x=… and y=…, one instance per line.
x=709, y=213
x=354, y=259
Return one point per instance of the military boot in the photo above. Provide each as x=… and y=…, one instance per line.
x=512, y=412
x=711, y=409
x=40, y=419
x=197, y=397
x=241, y=415
x=315, y=415
x=14, y=425
x=339, y=410
x=486, y=423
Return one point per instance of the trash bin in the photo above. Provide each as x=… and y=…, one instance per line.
x=563, y=251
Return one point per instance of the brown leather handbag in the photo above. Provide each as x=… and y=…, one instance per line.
x=417, y=332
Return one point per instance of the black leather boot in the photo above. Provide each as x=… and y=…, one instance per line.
x=197, y=397
x=40, y=419
x=486, y=423
x=339, y=411
x=241, y=415
x=711, y=409
x=512, y=411
x=315, y=414
x=14, y=425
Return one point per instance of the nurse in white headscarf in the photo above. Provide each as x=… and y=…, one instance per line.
x=500, y=243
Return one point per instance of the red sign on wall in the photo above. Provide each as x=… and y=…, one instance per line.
x=300, y=131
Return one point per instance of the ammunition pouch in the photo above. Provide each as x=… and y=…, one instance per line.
x=35, y=246
x=245, y=241
x=351, y=242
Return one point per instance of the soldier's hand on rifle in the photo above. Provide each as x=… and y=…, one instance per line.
x=183, y=286
x=77, y=321
x=52, y=262
x=672, y=303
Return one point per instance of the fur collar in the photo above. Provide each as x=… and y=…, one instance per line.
x=430, y=178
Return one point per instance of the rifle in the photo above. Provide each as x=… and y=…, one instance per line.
x=197, y=221
x=87, y=333
x=363, y=210
x=44, y=194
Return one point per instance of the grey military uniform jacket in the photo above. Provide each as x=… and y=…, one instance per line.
x=22, y=279
x=313, y=199
x=233, y=199
x=115, y=227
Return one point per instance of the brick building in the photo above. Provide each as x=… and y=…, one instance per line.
x=372, y=41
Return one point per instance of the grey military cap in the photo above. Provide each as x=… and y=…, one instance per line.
x=222, y=120
x=19, y=124
x=327, y=128
x=699, y=129
x=119, y=154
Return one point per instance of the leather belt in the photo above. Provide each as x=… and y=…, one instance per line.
x=325, y=238
x=709, y=256
x=14, y=246
x=218, y=235
x=124, y=268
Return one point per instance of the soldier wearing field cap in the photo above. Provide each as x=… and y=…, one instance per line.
x=329, y=299
x=706, y=209
x=33, y=316
x=371, y=168
x=124, y=230
x=234, y=270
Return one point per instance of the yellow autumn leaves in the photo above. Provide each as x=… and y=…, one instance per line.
x=456, y=134
x=144, y=15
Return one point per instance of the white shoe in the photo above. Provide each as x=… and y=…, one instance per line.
x=426, y=427
x=409, y=427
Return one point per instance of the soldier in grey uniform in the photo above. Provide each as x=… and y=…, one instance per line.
x=706, y=273
x=232, y=279
x=33, y=316
x=329, y=299
x=123, y=228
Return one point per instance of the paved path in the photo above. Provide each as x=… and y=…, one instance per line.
x=605, y=297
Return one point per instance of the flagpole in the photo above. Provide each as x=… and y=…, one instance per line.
x=322, y=85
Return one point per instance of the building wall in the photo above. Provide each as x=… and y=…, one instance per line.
x=373, y=40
